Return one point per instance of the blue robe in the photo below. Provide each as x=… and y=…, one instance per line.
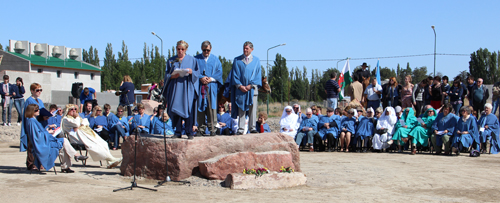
x=55, y=120
x=307, y=123
x=266, y=127
x=108, y=118
x=466, y=139
x=442, y=123
x=144, y=121
x=211, y=68
x=87, y=116
x=243, y=74
x=322, y=130
x=160, y=129
x=366, y=128
x=45, y=146
x=492, y=133
x=225, y=118
x=98, y=120
x=113, y=121
x=181, y=93
x=23, y=145
x=349, y=124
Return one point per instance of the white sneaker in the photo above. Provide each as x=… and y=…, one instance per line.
x=10, y=124
x=4, y=124
x=18, y=124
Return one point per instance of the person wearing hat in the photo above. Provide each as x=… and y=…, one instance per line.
x=398, y=111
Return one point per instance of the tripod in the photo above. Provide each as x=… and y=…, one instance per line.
x=134, y=183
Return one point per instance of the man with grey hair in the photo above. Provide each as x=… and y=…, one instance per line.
x=210, y=80
x=245, y=80
x=479, y=96
x=308, y=127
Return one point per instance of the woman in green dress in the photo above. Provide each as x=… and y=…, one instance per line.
x=420, y=134
x=403, y=127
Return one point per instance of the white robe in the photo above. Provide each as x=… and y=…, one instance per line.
x=289, y=122
x=95, y=145
x=384, y=141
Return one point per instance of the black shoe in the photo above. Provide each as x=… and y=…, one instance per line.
x=68, y=170
x=213, y=134
x=239, y=133
x=190, y=137
x=176, y=136
x=199, y=133
x=254, y=131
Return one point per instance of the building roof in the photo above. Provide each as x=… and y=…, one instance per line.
x=56, y=62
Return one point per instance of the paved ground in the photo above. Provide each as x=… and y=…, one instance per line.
x=332, y=177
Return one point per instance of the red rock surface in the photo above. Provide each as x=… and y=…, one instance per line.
x=184, y=155
x=273, y=180
x=219, y=167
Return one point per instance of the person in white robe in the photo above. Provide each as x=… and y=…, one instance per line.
x=288, y=122
x=79, y=132
x=385, y=127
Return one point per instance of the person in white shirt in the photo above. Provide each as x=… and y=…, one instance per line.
x=373, y=93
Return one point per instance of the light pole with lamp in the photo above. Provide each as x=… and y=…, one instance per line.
x=162, y=57
x=434, y=50
x=268, y=72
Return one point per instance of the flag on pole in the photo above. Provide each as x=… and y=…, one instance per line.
x=378, y=74
x=344, y=79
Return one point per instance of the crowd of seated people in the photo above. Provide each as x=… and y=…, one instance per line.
x=443, y=130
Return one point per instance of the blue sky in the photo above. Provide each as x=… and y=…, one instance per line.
x=311, y=29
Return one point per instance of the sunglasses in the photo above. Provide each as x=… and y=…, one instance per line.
x=288, y=111
x=38, y=90
x=295, y=107
x=329, y=111
x=72, y=109
x=313, y=109
x=308, y=114
x=206, y=50
x=369, y=112
x=36, y=110
x=98, y=110
x=120, y=111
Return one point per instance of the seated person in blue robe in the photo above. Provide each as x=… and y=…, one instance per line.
x=99, y=123
x=118, y=126
x=261, y=124
x=54, y=119
x=466, y=131
x=44, y=146
x=141, y=120
x=163, y=125
x=489, y=130
x=443, y=129
x=328, y=128
x=43, y=119
x=365, y=128
x=87, y=110
x=347, y=129
x=225, y=121
x=308, y=127
x=130, y=119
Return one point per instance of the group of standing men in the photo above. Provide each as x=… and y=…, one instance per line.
x=192, y=85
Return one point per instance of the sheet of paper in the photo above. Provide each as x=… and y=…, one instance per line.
x=402, y=122
x=420, y=121
x=57, y=131
x=481, y=129
x=440, y=132
x=181, y=72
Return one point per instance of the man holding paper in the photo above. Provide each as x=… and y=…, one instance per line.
x=420, y=134
x=443, y=129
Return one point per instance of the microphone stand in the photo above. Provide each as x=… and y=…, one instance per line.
x=167, y=179
x=134, y=183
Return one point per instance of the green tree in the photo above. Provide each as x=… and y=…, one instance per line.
x=1, y=47
x=324, y=79
x=279, y=79
x=484, y=64
x=419, y=74
x=108, y=68
x=385, y=73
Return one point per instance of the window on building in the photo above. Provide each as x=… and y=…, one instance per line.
x=76, y=75
x=40, y=70
x=58, y=74
x=92, y=76
x=138, y=98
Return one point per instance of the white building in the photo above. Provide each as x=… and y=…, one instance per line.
x=56, y=68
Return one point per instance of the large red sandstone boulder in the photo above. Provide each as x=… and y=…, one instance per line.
x=219, y=167
x=184, y=155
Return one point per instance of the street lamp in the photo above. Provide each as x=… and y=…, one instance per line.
x=340, y=61
x=434, y=50
x=268, y=75
x=162, y=58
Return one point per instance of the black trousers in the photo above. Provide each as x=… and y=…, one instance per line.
x=104, y=134
x=226, y=131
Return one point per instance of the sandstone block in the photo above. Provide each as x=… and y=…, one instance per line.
x=273, y=180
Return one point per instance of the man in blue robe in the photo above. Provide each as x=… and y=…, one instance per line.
x=329, y=125
x=182, y=90
x=118, y=126
x=87, y=111
x=245, y=81
x=308, y=128
x=489, y=129
x=142, y=121
x=210, y=70
x=87, y=94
